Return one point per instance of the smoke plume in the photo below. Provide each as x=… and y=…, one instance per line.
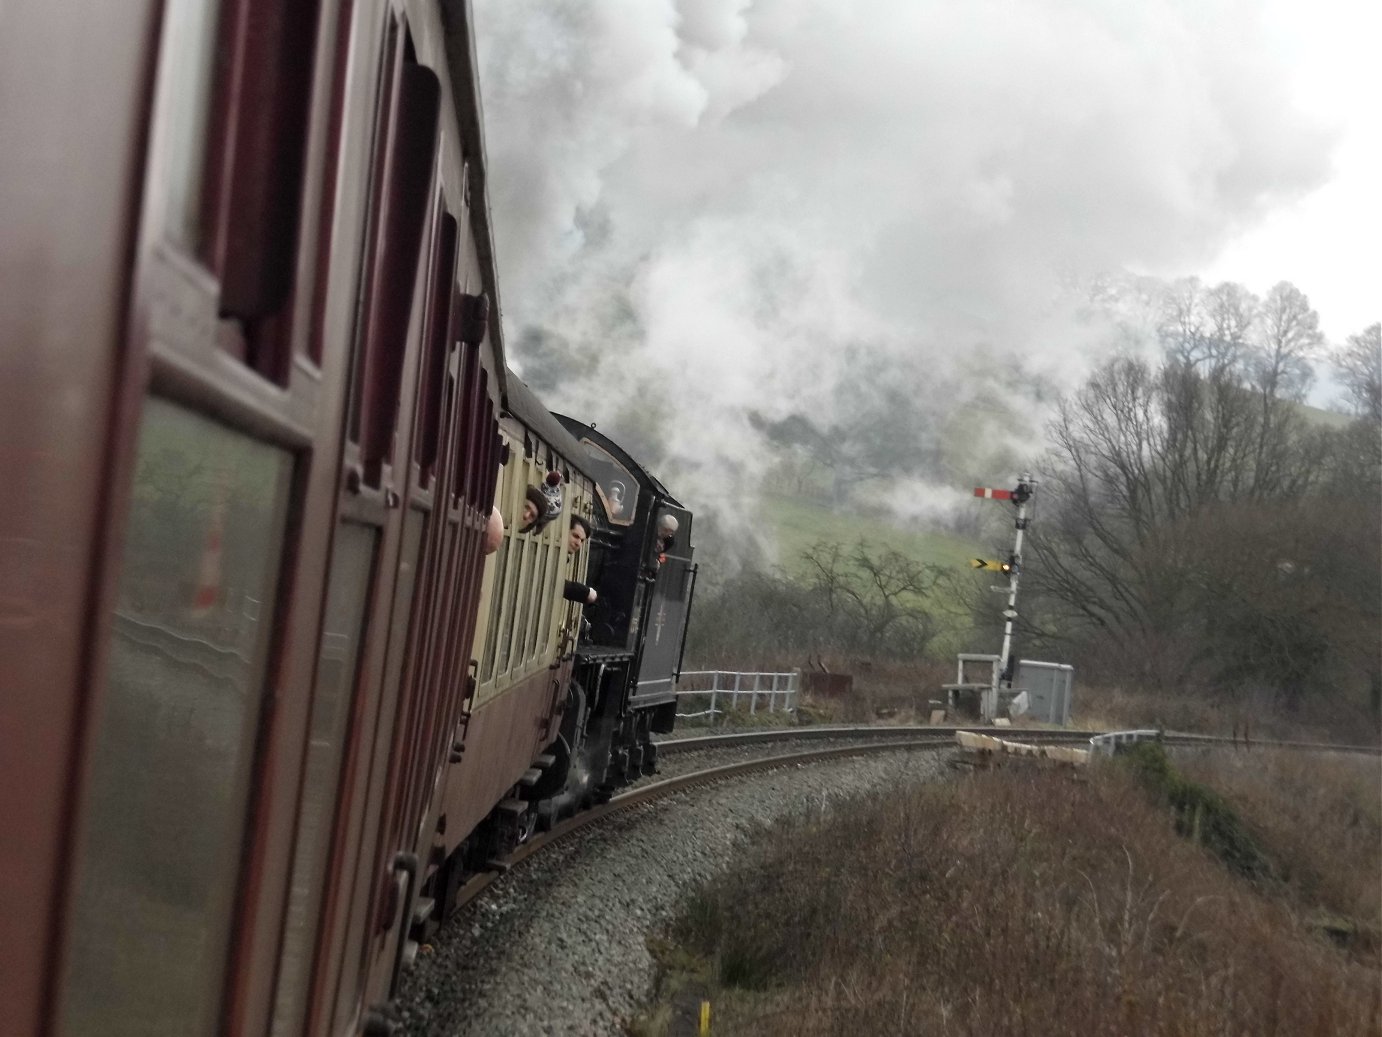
x=705, y=208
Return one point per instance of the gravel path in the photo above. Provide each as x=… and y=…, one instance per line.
x=558, y=946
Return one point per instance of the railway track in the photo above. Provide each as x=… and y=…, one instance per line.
x=568, y=929
x=1179, y=739
x=861, y=740
x=559, y=945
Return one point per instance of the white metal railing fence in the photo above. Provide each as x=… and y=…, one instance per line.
x=775, y=690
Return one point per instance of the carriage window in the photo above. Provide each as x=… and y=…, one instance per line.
x=527, y=605
x=388, y=57
x=266, y=55
x=487, y=632
x=183, y=104
x=492, y=627
x=615, y=484
x=542, y=608
x=406, y=138
x=515, y=608
x=441, y=294
x=175, y=730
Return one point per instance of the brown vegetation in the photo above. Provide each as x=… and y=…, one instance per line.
x=1035, y=901
x=1321, y=814
x=1254, y=718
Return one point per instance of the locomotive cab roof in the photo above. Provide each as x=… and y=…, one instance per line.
x=594, y=437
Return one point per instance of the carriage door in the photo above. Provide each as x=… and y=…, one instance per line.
x=219, y=433
x=349, y=689
x=387, y=871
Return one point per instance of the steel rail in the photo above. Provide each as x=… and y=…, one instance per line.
x=876, y=740
x=656, y=790
x=1181, y=739
x=1189, y=738
x=812, y=733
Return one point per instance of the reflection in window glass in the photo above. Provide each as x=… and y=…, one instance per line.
x=352, y=560
x=173, y=737
x=615, y=484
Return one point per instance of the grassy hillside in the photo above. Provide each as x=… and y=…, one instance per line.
x=797, y=523
x=1325, y=418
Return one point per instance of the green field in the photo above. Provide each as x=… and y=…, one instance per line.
x=798, y=523
x=1326, y=418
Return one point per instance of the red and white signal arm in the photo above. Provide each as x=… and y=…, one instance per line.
x=983, y=491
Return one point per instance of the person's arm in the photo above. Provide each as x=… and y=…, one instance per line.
x=579, y=593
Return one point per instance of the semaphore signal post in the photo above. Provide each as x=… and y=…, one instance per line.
x=1020, y=496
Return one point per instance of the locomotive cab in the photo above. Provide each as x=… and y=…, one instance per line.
x=642, y=565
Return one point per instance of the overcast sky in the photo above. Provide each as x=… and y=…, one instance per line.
x=1328, y=242
x=718, y=203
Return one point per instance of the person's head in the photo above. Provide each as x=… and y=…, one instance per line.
x=667, y=527
x=534, y=507
x=494, y=531
x=579, y=534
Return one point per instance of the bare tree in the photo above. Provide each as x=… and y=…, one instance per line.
x=1360, y=363
x=874, y=600
x=1141, y=459
x=1290, y=338
x=1233, y=313
x=1208, y=329
x=864, y=601
x=1183, y=329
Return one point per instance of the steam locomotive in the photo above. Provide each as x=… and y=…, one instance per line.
x=288, y=646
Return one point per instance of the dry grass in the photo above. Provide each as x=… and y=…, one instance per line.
x=1322, y=817
x=903, y=692
x=1115, y=706
x=890, y=692
x=1040, y=902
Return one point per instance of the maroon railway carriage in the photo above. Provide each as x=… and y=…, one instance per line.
x=255, y=412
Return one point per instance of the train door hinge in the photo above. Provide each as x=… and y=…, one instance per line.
x=382, y=1019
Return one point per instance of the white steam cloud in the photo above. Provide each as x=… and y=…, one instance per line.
x=713, y=206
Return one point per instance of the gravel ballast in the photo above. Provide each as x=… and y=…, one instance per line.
x=559, y=945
